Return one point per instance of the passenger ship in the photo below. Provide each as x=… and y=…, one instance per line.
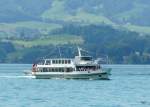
x=81, y=67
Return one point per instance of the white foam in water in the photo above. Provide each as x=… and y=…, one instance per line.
x=17, y=76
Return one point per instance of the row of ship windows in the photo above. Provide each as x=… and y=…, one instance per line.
x=68, y=69
x=56, y=70
x=87, y=68
x=58, y=62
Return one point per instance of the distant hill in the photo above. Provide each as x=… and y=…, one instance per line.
x=22, y=10
x=28, y=27
x=125, y=11
x=121, y=12
x=119, y=46
x=131, y=15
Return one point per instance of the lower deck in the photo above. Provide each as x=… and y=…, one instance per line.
x=72, y=75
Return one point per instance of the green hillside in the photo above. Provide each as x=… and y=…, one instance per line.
x=130, y=48
x=29, y=29
x=58, y=12
x=26, y=14
x=139, y=29
x=53, y=40
x=12, y=29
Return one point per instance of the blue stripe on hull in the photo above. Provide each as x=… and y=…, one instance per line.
x=74, y=76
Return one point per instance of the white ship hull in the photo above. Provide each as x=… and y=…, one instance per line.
x=72, y=75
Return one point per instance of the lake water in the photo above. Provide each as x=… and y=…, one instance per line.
x=129, y=87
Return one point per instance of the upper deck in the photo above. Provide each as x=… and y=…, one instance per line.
x=68, y=62
x=58, y=62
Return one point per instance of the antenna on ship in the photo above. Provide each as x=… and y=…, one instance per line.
x=79, y=51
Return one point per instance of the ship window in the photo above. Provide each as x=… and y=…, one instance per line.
x=69, y=69
x=86, y=58
x=66, y=61
x=53, y=61
x=45, y=70
x=62, y=61
x=56, y=70
x=40, y=70
x=59, y=61
x=52, y=69
x=69, y=61
x=56, y=61
x=61, y=70
x=48, y=62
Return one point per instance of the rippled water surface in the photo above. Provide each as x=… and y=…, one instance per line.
x=129, y=87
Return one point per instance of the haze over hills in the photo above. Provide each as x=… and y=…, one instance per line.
x=27, y=25
x=118, y=11
x=132, y=15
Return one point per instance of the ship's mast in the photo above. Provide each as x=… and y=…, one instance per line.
x=79, y=52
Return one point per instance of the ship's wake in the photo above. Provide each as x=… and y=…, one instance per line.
x=14, y=76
